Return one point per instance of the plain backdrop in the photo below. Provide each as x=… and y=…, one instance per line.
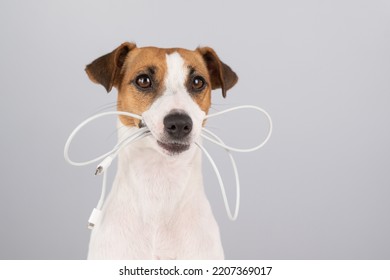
x=318, y=190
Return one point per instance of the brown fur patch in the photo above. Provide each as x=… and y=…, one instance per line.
x=221, y=75
x=130, y=98
x=195, y=61
x=105, y=70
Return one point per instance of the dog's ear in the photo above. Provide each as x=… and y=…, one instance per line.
x=106, y=69
x=221, y=75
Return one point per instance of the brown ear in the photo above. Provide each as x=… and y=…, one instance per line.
x=221, y=75
x=106, y=69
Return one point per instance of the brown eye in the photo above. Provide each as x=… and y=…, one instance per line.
x=143, y=81
x=198, y=83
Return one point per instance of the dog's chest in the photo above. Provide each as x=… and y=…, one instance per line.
x=156, y=209
x=154, y=179
x=143, y=215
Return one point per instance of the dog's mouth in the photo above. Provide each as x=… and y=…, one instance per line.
x=173, y=148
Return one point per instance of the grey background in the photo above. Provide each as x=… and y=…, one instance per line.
x=318, y=190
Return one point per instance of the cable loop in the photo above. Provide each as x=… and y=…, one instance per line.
x=108, y=157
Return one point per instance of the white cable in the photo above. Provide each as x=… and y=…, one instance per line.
x=237, y=149
x=84, y=123
x=96, y=212
x=231, y=216
x=108, y=157
x=228, y=149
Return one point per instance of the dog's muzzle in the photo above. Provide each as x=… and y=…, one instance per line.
x=177, y=129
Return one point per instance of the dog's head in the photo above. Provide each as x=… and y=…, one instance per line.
x=170, y=88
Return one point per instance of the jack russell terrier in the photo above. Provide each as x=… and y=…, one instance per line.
x=157, y=207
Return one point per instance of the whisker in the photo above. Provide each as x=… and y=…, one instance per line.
x=143, y=134
x=106, y=107
x=221, y=106
x=212, y=127
x=108, y=103
x=115, y=131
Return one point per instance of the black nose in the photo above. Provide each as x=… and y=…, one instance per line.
x=178, y=125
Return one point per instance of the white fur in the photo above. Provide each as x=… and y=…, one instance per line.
x=175, y=97
x=157, y=208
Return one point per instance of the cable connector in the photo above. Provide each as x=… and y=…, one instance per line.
x=94, y=218
x=104, y=165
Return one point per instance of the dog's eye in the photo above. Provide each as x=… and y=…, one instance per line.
x=143, y=81
x=198, y=83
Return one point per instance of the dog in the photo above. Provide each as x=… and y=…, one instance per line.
x=157, y=207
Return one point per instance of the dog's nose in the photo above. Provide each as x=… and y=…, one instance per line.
x=178, y=125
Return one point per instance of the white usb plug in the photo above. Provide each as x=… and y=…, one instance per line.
x=104, y=165
x=94, y=218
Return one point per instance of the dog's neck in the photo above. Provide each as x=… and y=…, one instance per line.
x=158, y=186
